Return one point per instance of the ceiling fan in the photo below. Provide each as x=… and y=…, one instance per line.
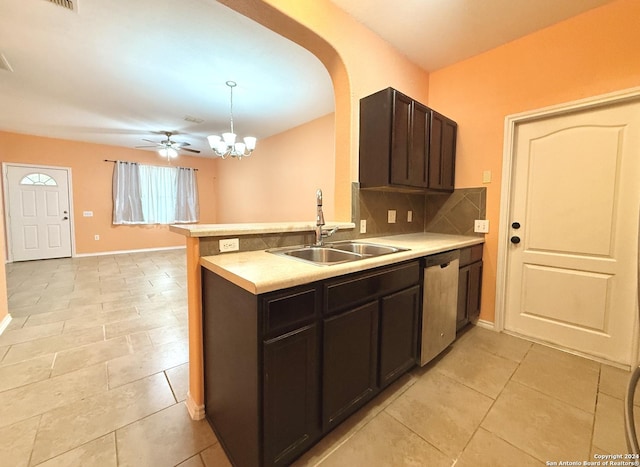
x=169, y=148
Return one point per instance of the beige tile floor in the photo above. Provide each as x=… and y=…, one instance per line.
x=93, y=372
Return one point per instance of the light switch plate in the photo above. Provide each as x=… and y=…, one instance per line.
x=391, y=216
x=409, y=216
x=87, y=213
x=363, y=226
x=481, y=226
x=229, y=244
x=486, y=176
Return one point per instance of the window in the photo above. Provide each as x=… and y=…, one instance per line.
x=146, y=194
x=38, y=179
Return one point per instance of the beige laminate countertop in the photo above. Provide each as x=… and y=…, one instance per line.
x=221, y=230
x=259, y=271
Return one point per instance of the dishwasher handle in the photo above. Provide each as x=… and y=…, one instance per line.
x=442, y=260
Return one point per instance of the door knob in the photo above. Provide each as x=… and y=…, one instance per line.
x=515, y=240
x=65, y=218
x=516, y=225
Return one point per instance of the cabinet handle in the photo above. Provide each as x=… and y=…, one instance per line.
x=442, y=266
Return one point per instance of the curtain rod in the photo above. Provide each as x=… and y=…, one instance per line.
x=127, y=162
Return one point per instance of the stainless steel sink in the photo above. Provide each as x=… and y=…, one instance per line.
x=322, y=255
x=365, y=249
x=335, y=253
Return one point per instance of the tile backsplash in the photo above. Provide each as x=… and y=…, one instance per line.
x=450, y=213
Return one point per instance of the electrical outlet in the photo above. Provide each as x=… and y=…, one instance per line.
x=96, y=237
x=87, y=213
x=481, y=226
x=229, y=244
x=486, y=176
x=391, y=216
x=363, y=226
x=409, y=216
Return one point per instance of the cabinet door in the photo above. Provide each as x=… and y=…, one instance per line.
x=409, y=142
x=442, y=152
x=419, y=160
x=401, y=153
x=349, y=362
x=290, y=397
x=474, y=290
x=398, y=333
x=463, y=292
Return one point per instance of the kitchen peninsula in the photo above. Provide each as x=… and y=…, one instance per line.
x=271, y=290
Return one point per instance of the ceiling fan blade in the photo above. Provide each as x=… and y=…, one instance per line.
x=180, y=143
x=138, y=147
x=154, y=142
x=190, y=150
x=165, y=133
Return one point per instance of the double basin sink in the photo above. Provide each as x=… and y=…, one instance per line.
x=336, y=252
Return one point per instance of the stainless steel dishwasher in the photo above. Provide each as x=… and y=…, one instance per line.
x=439, y=303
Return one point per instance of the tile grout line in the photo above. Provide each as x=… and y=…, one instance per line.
x=491, y=407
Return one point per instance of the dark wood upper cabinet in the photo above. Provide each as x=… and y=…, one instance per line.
x=398, y=147
x=442, y=158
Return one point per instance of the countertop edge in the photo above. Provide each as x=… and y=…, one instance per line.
x=257, y=271
x=217, y=230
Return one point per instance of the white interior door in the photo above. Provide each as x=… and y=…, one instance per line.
x=571, y=279
x=38, y=212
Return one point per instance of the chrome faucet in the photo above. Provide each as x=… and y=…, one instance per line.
x=320, y=232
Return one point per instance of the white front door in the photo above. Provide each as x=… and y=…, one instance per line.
x=571, y=279
x=39, y=225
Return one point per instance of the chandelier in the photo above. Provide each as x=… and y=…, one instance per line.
x=225, y=145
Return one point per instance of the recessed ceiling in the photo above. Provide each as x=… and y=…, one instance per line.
x=115, y=72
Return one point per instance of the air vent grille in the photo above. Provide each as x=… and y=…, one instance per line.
x=68, y=4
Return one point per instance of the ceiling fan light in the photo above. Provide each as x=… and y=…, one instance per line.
x=214, y=140
x=171, y=152
x=250, y=142
x=163, y=152
x=229, y=138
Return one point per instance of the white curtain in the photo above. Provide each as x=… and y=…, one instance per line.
x=127, y=207
x=160, y=195
x=187, y=207
x=157, y=193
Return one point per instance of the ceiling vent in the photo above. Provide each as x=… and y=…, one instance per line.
x=68, y=4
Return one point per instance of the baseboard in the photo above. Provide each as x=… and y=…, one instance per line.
x=485, y=324
x=195, y=411
x=5, y=323
x=124, y=252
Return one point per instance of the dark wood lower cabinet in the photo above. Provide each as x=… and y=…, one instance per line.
x=399, y=319
x=469, y=285
x=349, y=362
x=284, y=368
x=290, y=395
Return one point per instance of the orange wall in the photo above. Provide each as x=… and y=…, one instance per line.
x=278, y=182
x=91, y=179
x=590, y=54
